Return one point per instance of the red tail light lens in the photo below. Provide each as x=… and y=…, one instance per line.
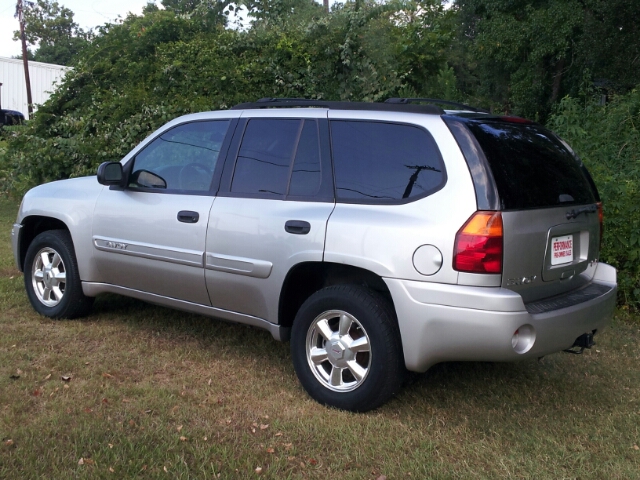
x=601, y=219
x=478, y=247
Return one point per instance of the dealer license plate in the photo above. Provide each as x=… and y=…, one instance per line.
x=561, y=250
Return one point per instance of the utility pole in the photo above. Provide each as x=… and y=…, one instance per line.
x=325, y=3
x=25, y=60
x=414, y=177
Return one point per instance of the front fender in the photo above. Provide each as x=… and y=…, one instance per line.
x=68, y=201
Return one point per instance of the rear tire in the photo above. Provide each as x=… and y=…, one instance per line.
x=346, y=349
x=51, y=277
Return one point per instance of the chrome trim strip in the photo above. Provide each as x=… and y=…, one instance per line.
x=180, y=256
x=239, y=265
x=92, y=289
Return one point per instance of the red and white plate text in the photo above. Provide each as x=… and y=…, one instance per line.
x=561, y=250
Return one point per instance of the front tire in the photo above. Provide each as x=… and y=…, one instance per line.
x=51, y=277
x=346, y=348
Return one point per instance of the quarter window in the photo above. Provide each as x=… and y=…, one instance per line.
x=183, y=158
x=378, y=162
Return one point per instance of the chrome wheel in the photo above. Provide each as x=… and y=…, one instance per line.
x=49, y=277
x=338, y=350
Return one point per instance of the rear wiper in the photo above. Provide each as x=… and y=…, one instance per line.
x=577, y=211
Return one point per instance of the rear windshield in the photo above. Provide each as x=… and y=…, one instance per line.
x=531, y=166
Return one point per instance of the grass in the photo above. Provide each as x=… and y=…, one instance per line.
x=156, y=393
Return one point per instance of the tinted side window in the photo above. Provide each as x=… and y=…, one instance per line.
x=278, y=157
x=531, y=167
x=307, y=174
x=182, y=158
x=379, y=162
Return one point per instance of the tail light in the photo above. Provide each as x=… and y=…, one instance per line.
x=601, y=219
x=478, y=246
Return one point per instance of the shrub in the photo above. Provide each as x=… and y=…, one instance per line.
x=137, y=75
x=607, y=138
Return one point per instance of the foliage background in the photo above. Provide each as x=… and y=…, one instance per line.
x=608, y=139
x=571, y=64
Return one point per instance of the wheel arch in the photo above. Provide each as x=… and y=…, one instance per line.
x=32, y=226
x=304, y=279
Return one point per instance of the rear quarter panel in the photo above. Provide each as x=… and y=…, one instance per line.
x=383, y=238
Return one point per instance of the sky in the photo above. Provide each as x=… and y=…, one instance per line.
x=87, y=13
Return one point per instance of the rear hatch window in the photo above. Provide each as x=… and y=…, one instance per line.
x=531, y=166
x=548, y=203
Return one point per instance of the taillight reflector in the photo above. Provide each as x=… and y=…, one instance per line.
x=478, y=246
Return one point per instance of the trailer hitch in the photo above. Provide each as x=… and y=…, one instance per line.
x=583, y=341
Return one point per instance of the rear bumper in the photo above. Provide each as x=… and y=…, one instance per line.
x=457, y=323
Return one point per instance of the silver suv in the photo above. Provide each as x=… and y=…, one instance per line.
x=377, y=237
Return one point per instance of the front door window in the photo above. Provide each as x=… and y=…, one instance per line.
x=182, y=159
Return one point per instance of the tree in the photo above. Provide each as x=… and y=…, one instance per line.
x=181, y=6
x=267, y=13
x=210, y=13
x=50, y=28
x=524, y=56
x=421, y=37
x=521, y=49
x=609, y=46
x=150, y=7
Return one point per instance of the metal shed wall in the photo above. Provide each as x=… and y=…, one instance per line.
x=13, y=90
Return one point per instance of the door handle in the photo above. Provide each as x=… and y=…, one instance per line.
x=297, y=227
x=187, y=216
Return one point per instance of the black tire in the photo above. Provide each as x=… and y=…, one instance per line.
x=54, y=288
x=334, y=380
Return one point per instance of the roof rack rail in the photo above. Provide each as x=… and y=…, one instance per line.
x=334, y=105
x=437, y=101
x=268, y=102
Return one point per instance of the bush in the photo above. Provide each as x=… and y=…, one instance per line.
x=137, y=75
x=607, y=138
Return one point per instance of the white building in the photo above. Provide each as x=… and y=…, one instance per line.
x=13, y=93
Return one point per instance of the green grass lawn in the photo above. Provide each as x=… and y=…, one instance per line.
x=156, y=393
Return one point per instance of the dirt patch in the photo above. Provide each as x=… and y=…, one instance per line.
x=10, y=272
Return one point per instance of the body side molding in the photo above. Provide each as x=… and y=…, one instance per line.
x=145, y=250
x=240, y=265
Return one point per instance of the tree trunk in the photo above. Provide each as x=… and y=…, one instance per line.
x=557, y=80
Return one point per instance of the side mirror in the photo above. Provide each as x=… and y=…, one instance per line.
x=110, y=173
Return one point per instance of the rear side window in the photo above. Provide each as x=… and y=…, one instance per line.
x=531, y=166
x=306, y=173
x=278, y=157
x=378, y=162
